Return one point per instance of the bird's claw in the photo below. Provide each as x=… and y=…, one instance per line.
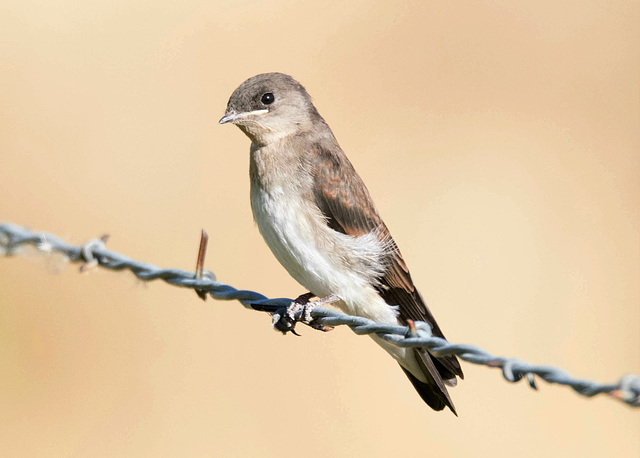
x=298, y=311
x=320, y=327
x=282, y=323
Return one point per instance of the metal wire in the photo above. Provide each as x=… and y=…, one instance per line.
x=94, y=253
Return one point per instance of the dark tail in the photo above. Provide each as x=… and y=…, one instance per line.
x=433, y=392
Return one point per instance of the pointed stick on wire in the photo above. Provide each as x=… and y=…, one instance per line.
x=202, y=251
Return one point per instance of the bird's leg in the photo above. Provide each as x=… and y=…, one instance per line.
x=288, y=321
x=301, y=303
x=290, y=315
x=308, y=308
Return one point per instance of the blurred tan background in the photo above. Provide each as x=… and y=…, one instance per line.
x=500, y=140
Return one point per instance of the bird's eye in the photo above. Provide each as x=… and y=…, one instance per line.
x=268, y=98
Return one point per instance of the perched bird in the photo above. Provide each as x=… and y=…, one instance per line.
x=316, y=214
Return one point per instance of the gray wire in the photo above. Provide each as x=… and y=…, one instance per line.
x=94, y=253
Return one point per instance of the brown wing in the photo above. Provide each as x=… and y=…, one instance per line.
x=344, y=199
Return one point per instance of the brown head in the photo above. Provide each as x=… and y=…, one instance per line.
x=271, y=106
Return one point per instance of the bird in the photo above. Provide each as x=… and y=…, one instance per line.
x=319, y=220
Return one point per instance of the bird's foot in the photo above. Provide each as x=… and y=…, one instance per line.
x=300, y=311
x=300, y=304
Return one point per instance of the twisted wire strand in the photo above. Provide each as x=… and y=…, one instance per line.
x=94, y=253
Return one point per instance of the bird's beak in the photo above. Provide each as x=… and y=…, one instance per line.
x=228, y=117
x=233, y=117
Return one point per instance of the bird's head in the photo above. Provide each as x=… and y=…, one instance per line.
x=269, y=107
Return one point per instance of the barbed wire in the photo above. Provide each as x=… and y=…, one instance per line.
x=94, y=253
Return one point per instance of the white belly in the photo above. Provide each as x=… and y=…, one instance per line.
x=319, y=259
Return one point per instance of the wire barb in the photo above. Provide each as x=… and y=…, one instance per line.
x=202, y=252
x=417, y=334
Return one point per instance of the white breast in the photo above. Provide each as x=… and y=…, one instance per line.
x=322, y=260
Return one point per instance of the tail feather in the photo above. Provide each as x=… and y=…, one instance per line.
x=433, y=391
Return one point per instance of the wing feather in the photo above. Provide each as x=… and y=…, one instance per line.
x=344, y=200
